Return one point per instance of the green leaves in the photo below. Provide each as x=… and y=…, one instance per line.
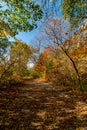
x=20, y=54
x=4, y=44
x=74, y=10
x=19, y=15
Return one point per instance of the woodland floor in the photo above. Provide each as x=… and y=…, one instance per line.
x=37, y=105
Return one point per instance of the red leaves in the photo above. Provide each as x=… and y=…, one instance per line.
x=38, y=67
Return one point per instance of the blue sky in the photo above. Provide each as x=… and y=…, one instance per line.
x=29, y=36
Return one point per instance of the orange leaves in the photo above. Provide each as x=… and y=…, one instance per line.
x=38, y=67
x=20, y=79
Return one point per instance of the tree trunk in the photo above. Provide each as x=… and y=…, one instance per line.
x=44, y=73
x=75, y=68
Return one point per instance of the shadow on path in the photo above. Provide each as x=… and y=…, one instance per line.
x=37, y=105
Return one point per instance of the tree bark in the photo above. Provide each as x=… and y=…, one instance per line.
x=75, y=68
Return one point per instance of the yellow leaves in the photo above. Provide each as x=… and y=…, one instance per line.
x=55, y=62
x=81, y=109
x=74, y=39
x=76, y=46
x=19, y=78
x=2, y=34
x=5, y=30
x=41, y=114
x=77, y=39
x=81, y=50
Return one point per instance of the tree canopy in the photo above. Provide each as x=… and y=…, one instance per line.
x=22, y=15
x=74, y=10
x=18, y=15
x=20, y=54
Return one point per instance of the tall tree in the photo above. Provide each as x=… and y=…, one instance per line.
x=57, y=34
x=4, y=58
x=20, y=54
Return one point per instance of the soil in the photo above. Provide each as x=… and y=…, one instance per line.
x=38, y=105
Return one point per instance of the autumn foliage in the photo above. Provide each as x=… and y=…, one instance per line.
x=65, y=61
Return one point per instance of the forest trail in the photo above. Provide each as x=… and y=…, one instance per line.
x=38, y=105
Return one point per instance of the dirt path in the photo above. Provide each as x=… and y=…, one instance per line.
x=37, y=105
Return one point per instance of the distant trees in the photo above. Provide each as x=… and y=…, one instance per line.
x=20, y=54
x=15, y=16
x=14, y=58
x=66, y=54
x=60, y=35
x=64, y=59
x=45, y=62
x=4, y=59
